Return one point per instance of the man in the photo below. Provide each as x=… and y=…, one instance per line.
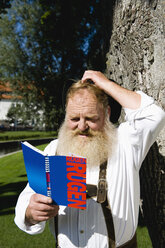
x=114, y=157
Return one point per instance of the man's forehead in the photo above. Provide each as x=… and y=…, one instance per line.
x=84, y=93
x=83, y=96
x=86, y=103
x=83, y=99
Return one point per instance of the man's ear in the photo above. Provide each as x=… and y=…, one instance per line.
x=109, y=111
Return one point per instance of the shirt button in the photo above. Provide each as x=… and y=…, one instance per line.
x=81, y=231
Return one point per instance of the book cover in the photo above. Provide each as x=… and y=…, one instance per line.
x=63, y=178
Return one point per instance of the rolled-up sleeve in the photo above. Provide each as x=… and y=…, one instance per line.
x=143, y=125
x=20, y=210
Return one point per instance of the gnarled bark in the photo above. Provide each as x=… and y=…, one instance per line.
x=136, y=60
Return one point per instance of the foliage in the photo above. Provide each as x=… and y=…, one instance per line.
x=82, y=30
x=28, y=116
x=3, y=5
x=46, y=44
x=14, y=112
x=24, y=57
x=22, y=135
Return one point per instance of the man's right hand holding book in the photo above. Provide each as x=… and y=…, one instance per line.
x=40, y=208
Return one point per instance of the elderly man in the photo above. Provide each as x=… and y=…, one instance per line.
x=114, y=156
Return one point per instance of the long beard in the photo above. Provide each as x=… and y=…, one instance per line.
x=97, y=147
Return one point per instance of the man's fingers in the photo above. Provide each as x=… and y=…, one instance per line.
x=40, y=208
x=43, y=203
x=47, y=212
x=87, y=76
x=41, y=199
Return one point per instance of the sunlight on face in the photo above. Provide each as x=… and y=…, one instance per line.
x=84, y=113
x=86, y=131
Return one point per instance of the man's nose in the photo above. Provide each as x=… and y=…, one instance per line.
x=82, y=125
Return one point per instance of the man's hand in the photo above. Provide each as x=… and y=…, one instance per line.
x=40, y=208
x=126, y=98
x=97, y=78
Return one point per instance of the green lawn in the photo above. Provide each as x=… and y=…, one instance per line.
x=12, y=180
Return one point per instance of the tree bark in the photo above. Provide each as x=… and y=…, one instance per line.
x=136, y=60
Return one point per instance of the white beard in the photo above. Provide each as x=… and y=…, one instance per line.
x=96, y=148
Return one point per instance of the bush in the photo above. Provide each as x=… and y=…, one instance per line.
x=20, y=135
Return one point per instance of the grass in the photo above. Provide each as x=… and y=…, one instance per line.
x=12, y=237
x=143, y=238
x=12, y=180
x=19, y=135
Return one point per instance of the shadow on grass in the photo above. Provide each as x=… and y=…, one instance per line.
x=8, y=196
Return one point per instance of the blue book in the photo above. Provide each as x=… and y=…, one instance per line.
x=63, y=178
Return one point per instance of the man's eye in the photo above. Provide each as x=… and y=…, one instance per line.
x=92, y=119
x=75, y=119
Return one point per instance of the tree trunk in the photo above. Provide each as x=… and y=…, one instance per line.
x=136, y=60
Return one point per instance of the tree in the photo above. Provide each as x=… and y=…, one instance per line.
x=136, y=61
x=26, y=61
x=26, y=116
x=82, y=28
x=3, y=5
x=44, y=45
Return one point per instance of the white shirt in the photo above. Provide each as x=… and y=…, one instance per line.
x=87, y=228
